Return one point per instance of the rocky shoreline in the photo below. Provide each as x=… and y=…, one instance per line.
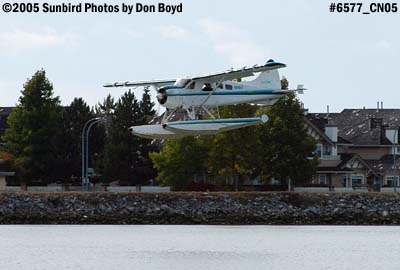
x=200, y=208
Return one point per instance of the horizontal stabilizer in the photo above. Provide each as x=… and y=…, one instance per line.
x=300, y=89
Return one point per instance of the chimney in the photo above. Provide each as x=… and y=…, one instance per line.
x=392, y=135
x=382, y=105
x=331, y=131
x=377, y=106
x=375, y=122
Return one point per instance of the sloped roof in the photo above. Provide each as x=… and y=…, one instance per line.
x=385, y=163
x=319, y=121
x=359, y=126
x=6, y=110
x=341, y=165
x=336, y=165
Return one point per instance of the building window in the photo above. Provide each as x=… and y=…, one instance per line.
x=327, y=150
x=275, y=181
x=395, y=150
x=318, y=150
x=322, y=179
x=343, y=180
x=390, y=180
x=357, y=180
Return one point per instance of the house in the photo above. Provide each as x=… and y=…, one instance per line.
x=3, y=179
x=356, y=147
x=4, y=113
x=4, y=174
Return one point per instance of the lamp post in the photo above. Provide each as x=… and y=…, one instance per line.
x=85, y=180
x=87, y=149
x=394, y=161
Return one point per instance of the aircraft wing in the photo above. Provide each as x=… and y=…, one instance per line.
x=156, y=83
x=240, y=73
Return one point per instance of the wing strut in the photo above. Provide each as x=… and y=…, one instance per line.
x=212, y=91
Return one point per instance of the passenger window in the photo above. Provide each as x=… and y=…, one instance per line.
x=228, y=87
x=207, y=87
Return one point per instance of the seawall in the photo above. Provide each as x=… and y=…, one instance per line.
x=200, y=208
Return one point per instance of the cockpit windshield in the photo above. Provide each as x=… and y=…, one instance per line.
x=181, y=82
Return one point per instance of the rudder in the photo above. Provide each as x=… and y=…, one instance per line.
x=268, y=79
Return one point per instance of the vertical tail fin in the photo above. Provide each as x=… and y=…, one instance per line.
x=268, y=79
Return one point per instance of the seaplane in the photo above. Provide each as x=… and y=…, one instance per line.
x=198, y=96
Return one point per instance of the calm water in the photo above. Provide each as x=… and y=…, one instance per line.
x=199, y=247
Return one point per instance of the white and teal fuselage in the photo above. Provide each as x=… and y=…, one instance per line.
x=240, y=93
x=188, y=98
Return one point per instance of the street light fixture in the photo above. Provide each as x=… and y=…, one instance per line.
x=85, y=153
x=394, y=160
x=87, y=148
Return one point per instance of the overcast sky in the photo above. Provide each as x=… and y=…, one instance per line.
x=345, y=60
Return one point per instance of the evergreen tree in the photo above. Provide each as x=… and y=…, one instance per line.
x=147, y=106
x=121, y=153
x=34, y=126
x=286, y=145
x=145, y=166
x=74, y=118
x=107, y=107
x=284, y=83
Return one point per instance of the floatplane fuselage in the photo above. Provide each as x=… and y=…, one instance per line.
x=227, y=93
x=197, y=95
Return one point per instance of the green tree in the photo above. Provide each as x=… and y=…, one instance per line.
x=106, y=110
x=179, y=161
x=229, y=154
x=144, y=165
x=34, y=126
x=147, y=106
x=107, y=107
x=284, y=83
x=233, y=153
x=74, y=117
x=121, y=153
x=286, y=145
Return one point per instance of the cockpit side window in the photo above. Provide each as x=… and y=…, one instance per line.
x=192, y=85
